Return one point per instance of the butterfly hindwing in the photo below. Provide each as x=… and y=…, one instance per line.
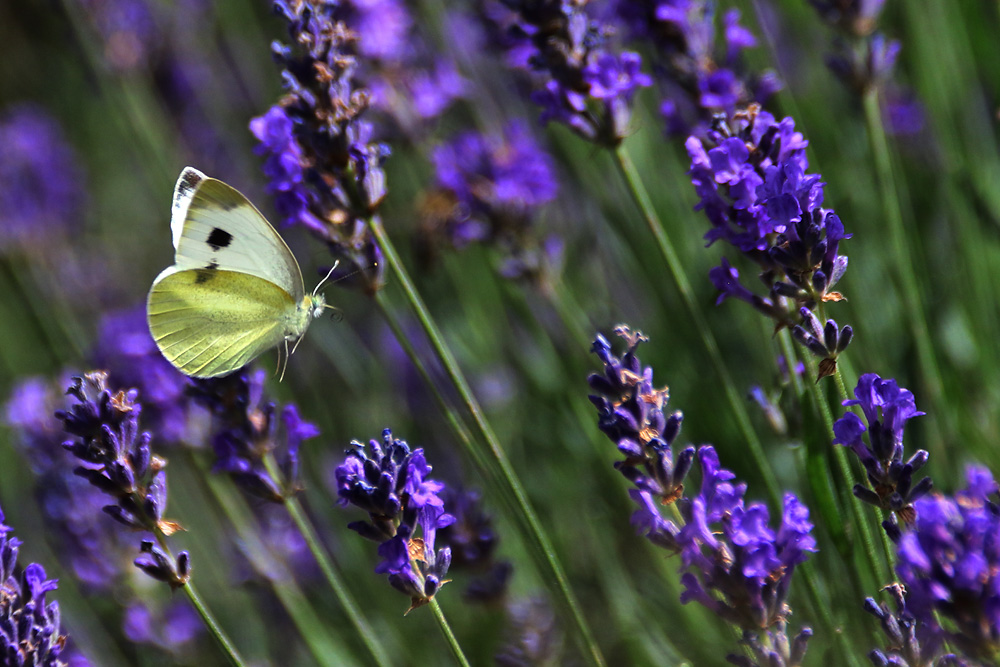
x=214, y=226
x=210, y=322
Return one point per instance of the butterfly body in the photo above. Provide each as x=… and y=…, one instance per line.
x=235, y=289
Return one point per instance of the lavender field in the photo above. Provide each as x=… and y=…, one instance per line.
x=663, y=332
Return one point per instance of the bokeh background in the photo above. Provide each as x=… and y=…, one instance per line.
x=103, y=102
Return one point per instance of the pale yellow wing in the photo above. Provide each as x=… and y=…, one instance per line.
x=210, y=322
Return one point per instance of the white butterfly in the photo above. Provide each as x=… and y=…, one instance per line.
x=235, y=289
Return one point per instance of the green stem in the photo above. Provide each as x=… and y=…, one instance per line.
x=903, y=255
x=368, y=636
x=461, y=430
x=456, y=649
x=325, y=649
x=501, y=471
x=736, y=403
x=213, y=628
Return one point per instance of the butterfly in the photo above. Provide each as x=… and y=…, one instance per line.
x=234, y=290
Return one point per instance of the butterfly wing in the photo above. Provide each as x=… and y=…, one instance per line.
x=210, y=322
x=215, y=227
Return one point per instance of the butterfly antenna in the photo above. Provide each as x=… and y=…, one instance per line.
x=327, y=277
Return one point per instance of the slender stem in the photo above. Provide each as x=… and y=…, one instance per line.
x=736, y=403
x=368, y=636
x=501, y=471
x=232, y=655
x=461, y=430
x=456, y=649
x=903, y=254
x=326, y=650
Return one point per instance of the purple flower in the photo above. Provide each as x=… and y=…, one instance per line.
x=582, y=79
x=631, y=413
x=247, y=427
x=732, y=561
x=491, y=187
x=92, y=547
x=322, y=165
x=751, y=175
x=698, y=74
x=41, y=187
x=887, y=407
x=126, y=350
x=393, y=486
x=473, y=542
x=29, y=627
x=908, y=641
x=735, y=564
x=117, y=459
x=950, y=565
x=533, y=636
x=171, y=627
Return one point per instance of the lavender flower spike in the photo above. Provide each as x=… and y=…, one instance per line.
x=247, y=427
x=950, y=565
x=325, y=170
x=117, y=458
x=393, y=486
x=582, y=82
x=887, y=407
x=29, y=628
x=751, y=175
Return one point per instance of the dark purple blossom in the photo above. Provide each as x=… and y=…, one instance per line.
x=247, y=427
x=41, y=186
x=732, y=561
x=92, y=547
x=908, y=641
x=117, y=459
x=490, y=190
x=473, y=542
x=699, y=74
x=127, y=351
x=886, y=407
x=950, y=565
x=322, y=164
x=29, y=627
x=582, y=79
x=631, y=413
x=405, y=512
x=751, y=175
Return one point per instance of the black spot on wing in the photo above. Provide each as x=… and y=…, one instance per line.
x=202, y=276
x=219, y=238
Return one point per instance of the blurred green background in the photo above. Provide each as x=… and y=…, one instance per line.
x=139, y=101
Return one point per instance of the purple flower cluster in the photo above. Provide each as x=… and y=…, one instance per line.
x=247, y=427
x=126, y=349
x=630, y=412
x=751, y=175
x=393, y=486
x=29, y=627
x=887, y=407
x=909, y=641
x=118, y=459
x=93, y=547
x=732, y=562
x=583, y=82
x=492, y=186
x=41, y=191
x=698, y=76
x=322, y=164
x=861, y=57
x=473, y=542
x=950, y=565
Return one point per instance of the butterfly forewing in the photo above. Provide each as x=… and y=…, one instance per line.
x=214, y=226
x=212, y=322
